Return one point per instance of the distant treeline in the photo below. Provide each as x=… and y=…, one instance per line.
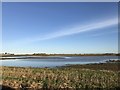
x=45, y=54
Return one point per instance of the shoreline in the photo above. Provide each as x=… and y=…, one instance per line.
x=44, y=57
x=112, y=65
x=107, y=62
x=32, y=57
x=102, y=54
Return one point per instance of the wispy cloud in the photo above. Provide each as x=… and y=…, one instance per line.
x=79, y=29
x=93, y=26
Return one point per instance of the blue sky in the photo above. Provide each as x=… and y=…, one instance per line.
x=60, y=27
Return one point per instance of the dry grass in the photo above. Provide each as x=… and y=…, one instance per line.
x=67, y=77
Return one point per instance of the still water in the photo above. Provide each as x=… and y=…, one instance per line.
x=53, y=62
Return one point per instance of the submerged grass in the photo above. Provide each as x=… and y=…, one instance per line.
x=73, y=77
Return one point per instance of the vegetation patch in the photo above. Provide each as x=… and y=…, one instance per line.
x=72, y=77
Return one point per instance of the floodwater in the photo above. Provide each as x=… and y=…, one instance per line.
x=55, y=61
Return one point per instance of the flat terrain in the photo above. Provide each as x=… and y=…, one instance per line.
x=74, y=76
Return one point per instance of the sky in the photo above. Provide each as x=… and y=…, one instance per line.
x=63, y=27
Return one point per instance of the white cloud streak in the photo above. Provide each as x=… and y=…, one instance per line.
x=93, y=26
x=79, y=29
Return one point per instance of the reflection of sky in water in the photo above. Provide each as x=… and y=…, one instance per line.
x=56, y=62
